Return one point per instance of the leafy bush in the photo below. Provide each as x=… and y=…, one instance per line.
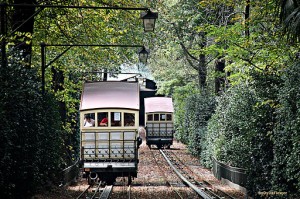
x=231, y=125
x=286, y=138
x=179, y=98
x=198, y=110
x=31, y=133
x=240, y=131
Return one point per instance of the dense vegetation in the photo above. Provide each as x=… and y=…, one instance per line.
x=253, y=77
x=39, y=131
x=230, y=67
x=32, y=150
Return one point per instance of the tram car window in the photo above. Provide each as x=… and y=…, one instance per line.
x=159, y=121
x=102, y=119
x=129, y=119
x=115, y=118
x=89, y=120
x=150, y=117
x=109, y=144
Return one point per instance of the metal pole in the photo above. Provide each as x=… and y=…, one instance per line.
x=105, y=75
x=3, y=35
x=43, y=46
x=78, y=7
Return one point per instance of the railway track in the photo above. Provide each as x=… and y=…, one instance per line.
x=175, y=184
x=168, y=183
x=96, y=191
x=203, y=188
x=205, y=183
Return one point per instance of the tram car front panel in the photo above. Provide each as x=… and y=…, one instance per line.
x=159, y=121
x=109, y=123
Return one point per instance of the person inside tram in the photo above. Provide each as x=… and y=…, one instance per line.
x=129, y=119
x=88, y=121
x=102, y=119
x=103, y=122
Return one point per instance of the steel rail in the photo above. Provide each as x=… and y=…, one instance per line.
x=106, y=192
x=194, y=187
x=96, y=191
x=99, y=193
x=209, y=184
x=83, y=192
x=128, y=191
x=165, y=178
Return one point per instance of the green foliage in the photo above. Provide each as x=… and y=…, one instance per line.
x=240, y=133
x=84, y=26
x=180, y=95
x=228, y=126
x=286, y=172
x=289, y=12
x=252, y=123
x=198, y=111
x=255, y=124
x=31, y=134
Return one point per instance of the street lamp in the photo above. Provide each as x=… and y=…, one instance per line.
x=149, y=20
x=143, y=55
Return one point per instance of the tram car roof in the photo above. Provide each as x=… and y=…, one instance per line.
x=96, y=95
x=158, y=104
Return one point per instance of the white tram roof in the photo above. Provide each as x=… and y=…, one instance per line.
x=107, y=94
x=158, y=104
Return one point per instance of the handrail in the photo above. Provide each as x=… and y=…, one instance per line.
x=233, y=174
x=70, y=173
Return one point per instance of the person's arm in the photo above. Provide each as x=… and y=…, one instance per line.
x=103, y=122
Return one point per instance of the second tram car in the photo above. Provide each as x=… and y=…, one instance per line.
x=109, y=113
x=159, y=121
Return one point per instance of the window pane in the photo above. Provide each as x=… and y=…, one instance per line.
x=162, y=117
x=89, y=120
x=129, y=119
x=115, y=118
x=156, y=117
x=102, y=119
x=169, y=117
x=150, y=117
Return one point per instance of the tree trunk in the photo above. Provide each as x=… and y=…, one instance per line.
x=247, y=16
x=220, y=79
x=22, y=15
x=202, y=71
x=3, y=32
x=58, y=85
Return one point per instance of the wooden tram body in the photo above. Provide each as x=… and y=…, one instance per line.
x=109, y=150
x=159, y=121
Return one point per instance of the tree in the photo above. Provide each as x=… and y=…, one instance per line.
x=31, y=132
x=289, y=16
x=34, y=149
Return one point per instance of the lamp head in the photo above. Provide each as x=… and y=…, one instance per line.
x=149, y=19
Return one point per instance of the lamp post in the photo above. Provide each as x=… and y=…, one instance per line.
x=148, y=22
x=143, y=54
x=149, y=19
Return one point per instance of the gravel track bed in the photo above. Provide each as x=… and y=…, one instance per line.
x=150, y=182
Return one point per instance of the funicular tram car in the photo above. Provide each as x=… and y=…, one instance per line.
x=159, y=121
x=109, y=113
